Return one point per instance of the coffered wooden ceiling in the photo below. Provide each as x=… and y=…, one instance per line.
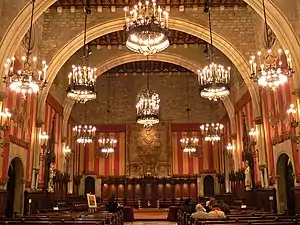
x=146, y=67
x=176, y=37
x=172, y=3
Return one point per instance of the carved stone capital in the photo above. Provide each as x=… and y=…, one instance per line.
x=262, y=167
x=39, y=123
x=296, y=92
x=258, y=120
x=3, y=94
x=234, y=136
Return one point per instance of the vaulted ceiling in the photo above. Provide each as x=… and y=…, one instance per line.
x=171, y=3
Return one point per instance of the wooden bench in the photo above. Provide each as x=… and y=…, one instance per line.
x=184, y=219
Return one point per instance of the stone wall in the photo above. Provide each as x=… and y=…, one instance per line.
x=170, y=87
x=238, y=25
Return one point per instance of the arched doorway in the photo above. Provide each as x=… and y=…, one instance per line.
x=89, y=185
x=209, y=186
x=285, y=184
x=15, y=188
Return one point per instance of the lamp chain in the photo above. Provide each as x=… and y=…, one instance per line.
x=147, y=76
x=211, y=53
x=266, y=24
x=85, y=49
x=108, y=100
x=30, y=33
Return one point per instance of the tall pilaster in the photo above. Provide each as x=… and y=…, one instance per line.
x=262, y=154
x=234, y=152
x=36, y=155
x=296, y=153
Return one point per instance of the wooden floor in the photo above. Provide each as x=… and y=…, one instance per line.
x=150, y=214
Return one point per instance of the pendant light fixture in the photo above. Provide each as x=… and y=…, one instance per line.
x=214, y=79
x=107, y=144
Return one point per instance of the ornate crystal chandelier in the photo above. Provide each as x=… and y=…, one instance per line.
x=189, y=144
x=147, y=107
x=146, y=28
x=107, y=145
x=212, y=132
x=271, y=69
x=214, y=79
x=84, y=134
x=31, y=77
x=81, y=87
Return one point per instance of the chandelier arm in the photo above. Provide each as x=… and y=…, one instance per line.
x=30, y=32
x=266, y=24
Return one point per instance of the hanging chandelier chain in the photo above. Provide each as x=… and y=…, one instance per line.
x=147, y=84
x=211, y=53
x=108, y=99
x=30, y=32
x=188, y=108
x=87, y=11
x=85, y=109
x=266, y=24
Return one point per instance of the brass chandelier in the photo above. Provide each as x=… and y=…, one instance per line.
x=212, y=132
x=147, y=107
x=146, y=28
x=270, y=69
x=84, y=134
x=81, y=86
x=214, y=79
x=31, y=77
x=107, y=144
x=189, y=143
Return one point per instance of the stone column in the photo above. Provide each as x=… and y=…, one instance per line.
x=98, y=183
x=63, y=158
x=261, y=146
x=234, y=152
x=200, y=186
x=71, y=183
x=227, y=171
x=36, y=155
x=296, y=154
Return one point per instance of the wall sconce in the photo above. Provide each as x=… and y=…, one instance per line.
x=5, y=118
x=292, y=115
x=228, y=150
x=4, y=126
x=253, y=136
x=67, y=151
x=44, y=144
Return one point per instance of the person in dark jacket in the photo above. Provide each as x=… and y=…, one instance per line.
x=186, y=207
x=112, y=205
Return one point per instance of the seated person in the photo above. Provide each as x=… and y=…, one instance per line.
x=207, y=207
x=200, y=212
x=112, y=205
x=186, y=207
x=224, y=207
x=216, y=213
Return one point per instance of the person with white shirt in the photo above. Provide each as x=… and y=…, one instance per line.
x=200, y=212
